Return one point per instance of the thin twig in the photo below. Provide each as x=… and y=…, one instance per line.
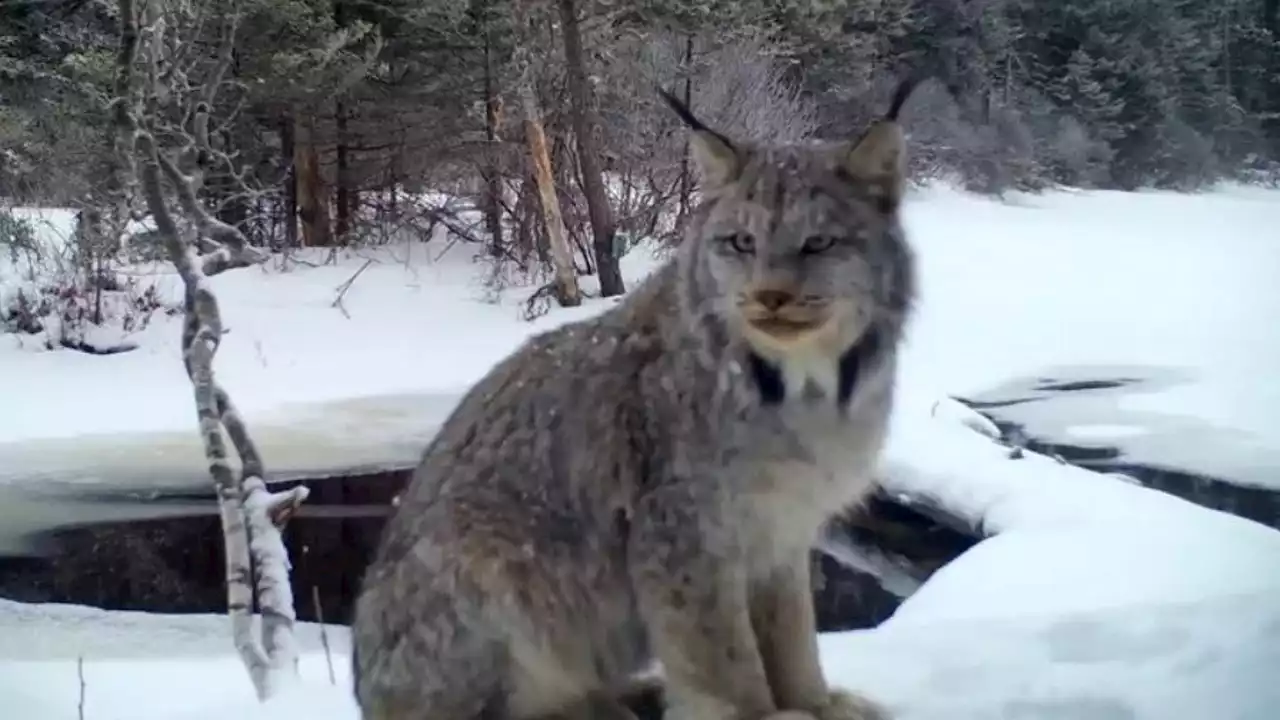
x=80, y=675
x=345, y=286
x=324, y=636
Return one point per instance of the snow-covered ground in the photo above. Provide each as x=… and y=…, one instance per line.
x=1180, y=282
x=1094, y=598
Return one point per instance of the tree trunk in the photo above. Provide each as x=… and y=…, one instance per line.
x=1271, y=21
x=344, y=204
x=393, y=182
x=288, y=149
x=527, y=244
x=233, y=206
x=603, y=229
x=493, y=179
x=566, y=282
x=342, y=217
x=105, y=219
x=313, y=201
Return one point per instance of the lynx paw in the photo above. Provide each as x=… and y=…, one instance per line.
x=844, y=705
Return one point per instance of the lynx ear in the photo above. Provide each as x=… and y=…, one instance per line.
x=716, y=157
x=878, y=158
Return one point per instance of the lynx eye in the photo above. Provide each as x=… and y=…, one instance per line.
x=741, y=243
x=815, y=244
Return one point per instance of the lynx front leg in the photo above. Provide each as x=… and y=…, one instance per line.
x=691, y=588
x=783, y=616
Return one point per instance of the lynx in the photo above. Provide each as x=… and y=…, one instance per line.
x=643, y=488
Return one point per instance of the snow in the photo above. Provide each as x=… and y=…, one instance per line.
x=1212, y=659
x=1104, y=431
x=52, y=230
x=1093, y=597
x=1179, y=282
x=1128, y=418
x=1080, y=540
x=950, y=409
x=1184, y=283
x=139, y=666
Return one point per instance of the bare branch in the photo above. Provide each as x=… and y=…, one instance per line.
x=346, y=285
x=226, y=46
x=324, y=636
x=202, y=330
x=80, y=677
x=233, y=249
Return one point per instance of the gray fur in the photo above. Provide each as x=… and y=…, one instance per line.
x=618, y=490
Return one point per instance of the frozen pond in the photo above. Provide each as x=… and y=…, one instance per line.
x=1088, y=416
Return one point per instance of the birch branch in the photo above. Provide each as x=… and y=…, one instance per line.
x=201, y=333
x=257, y=563
x=230, y=249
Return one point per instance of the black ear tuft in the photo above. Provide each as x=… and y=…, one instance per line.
x=903, y=93
x=681, y=110
x=686, y=115
x=716, y=156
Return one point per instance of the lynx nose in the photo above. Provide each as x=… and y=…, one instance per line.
x=773, y=299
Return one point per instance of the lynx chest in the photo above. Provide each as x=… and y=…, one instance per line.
x=804, y=463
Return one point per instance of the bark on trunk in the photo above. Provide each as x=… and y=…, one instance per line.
x=529, y=244
x=566, y=282
x=288, y=149
x=603, y=227
x=343, y=198
x=342, y=218
x=313, y=201
x=493, y=179
x=103, y=222
x=567, y=293
x=1271, y=21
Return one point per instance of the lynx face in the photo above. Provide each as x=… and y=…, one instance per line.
x=801, y=250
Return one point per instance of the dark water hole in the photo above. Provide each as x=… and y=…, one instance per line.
x=171, y=561
x=175, y=564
